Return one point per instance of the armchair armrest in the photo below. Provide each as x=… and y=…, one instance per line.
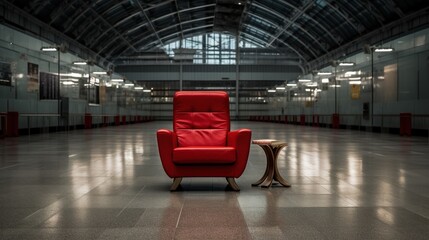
x=167, y=141
x=239, y=136
x=240, y=139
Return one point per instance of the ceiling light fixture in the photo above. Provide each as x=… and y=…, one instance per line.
x=345, y=64
x=49, y=49
x=383, y=49
x=324, y=73
x=355, y=82
x=80, y=63
x=67, y=83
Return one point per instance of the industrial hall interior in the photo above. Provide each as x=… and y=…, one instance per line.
x=214, y=119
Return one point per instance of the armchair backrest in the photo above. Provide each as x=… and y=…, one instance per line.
x=201, y=118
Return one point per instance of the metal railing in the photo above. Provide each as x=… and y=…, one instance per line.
x=32, y=123
x=404, y=124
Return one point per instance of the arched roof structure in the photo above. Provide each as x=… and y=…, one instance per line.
x=310, y=30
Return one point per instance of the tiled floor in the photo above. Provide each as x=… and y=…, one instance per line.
x=108, y=183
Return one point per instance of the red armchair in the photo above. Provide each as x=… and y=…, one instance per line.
x=201, y=143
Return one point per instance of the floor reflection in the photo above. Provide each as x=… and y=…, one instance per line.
x=108, y=183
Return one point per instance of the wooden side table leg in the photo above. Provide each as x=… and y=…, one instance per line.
x=280, y=179
x=262, y=178
x=270, y=166
x=257, y=183
x=277, y=176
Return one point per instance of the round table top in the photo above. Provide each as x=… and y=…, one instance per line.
x=268, y=142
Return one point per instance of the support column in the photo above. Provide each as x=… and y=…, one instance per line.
x=237, y=75
x=12, y=124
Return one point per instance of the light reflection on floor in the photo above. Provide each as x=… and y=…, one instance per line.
x=108, y=183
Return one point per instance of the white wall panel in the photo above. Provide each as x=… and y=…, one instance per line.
x=407, y=78
x=423, y=83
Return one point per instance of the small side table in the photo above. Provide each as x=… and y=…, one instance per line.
x=272, y=148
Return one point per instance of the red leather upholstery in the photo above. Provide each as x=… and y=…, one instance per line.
x=204, y=155
x=201, y=143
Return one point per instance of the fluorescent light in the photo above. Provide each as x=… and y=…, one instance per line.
x=308, y=90
x=49, y=49
x=69, y=79
x=67, y=83
x=76, y=75
x=304, y=80
x=291, y=84
x=324, y=73
x=271, y=90
x=117, y=80
x=346, y=64
x=280, y=88
x=350, y=73
x=355, y=82
x=79, y=63
x=99, y=73
x=325, y=80
x=312, y=85
x=138, y=88
x=147, y=90
x=129, y=84
x=354, y=78
x=383, y=50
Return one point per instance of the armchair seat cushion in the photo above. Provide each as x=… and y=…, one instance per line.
x=204, y=155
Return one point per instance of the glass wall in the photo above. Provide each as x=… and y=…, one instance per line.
x=37, y=83
x=212, y=48
x=376, y=85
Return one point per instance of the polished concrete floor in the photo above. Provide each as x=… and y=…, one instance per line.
x=108, y=183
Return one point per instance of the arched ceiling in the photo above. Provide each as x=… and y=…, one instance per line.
x=112, y=29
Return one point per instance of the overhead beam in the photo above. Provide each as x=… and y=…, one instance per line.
x=150, y=22
x=170, y=14
x=290, y=22
x=305, y=46
x=290, y=33
x=281, y=16
x=404, y=25
x=180, y=22
x=281, y=41
x=47, y=32
x=164, y=29
x=339, y=12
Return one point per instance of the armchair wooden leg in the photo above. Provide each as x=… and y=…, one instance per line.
x=233, y=184
x=176, y=184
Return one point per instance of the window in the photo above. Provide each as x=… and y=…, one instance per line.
x=211, y=48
